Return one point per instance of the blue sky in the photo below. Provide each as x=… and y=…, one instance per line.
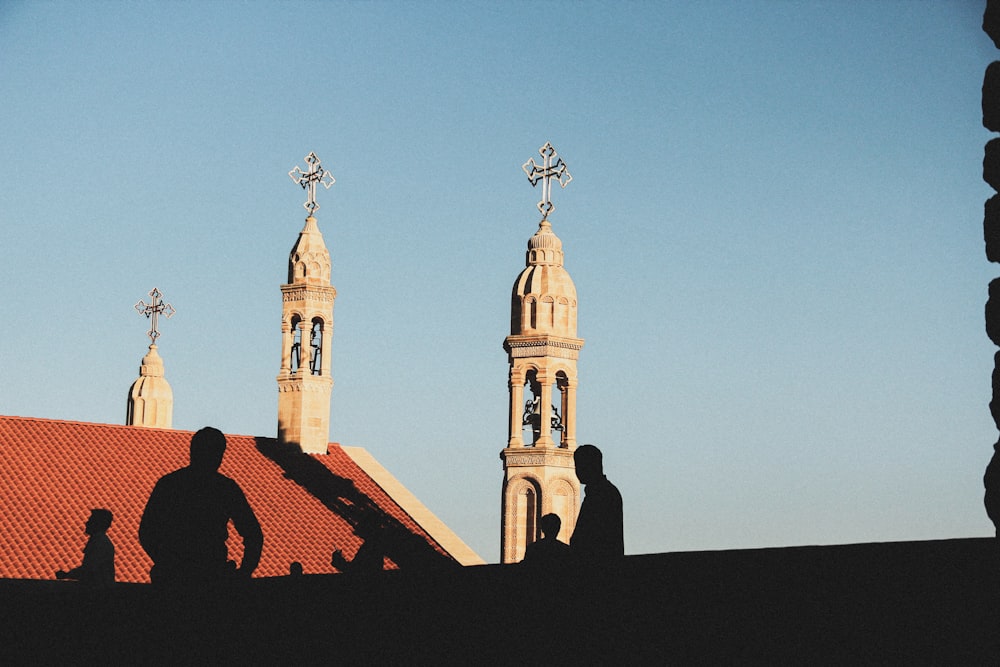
x=774, y=227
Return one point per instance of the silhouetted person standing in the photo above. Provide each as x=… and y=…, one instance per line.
x=599, y=533
x=991, y=480
x=185, y=524
x=98, y=566
x=548, y=550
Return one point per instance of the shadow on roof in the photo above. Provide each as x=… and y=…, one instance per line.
x=383, y=535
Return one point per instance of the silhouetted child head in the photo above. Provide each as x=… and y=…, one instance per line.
x=99, y=521
x=207, y=448
x=589, y=463
x=550, y=525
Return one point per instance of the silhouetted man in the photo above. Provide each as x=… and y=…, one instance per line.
x=98, y=566
x=185, y=524
x=599, y=533
x=548, y=550
x=991, y=480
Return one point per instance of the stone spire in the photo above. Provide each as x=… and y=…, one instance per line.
x=305, y=383
x=542, y=349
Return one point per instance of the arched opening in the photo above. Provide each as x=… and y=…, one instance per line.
x=532, y=407
x=527, y=510
x=562, y=321
x=296, y=350
x=559, y=399
x=316, y=343
x=546, y=315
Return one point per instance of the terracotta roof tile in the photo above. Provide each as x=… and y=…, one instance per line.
x=53, y=472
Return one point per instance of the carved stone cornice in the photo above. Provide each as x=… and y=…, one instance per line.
x=531, y=457
x=521, y=347
x=312, y=384
x=323, y=293
x=543, y=351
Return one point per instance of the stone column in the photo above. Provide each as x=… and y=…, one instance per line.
x=569, y=414
x=516, y=385
x=286, y=347
x=305, y=347
x=545, y=409
x=326, y=345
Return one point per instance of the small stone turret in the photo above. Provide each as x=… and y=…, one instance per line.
x=150, y=399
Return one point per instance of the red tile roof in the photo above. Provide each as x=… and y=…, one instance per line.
x=53, y=472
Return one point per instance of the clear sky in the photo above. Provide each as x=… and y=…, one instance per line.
x=774, y=227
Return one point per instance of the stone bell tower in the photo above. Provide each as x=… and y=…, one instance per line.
x=542, y=349
x=304, y=381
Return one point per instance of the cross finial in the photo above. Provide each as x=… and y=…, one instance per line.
x=309, y=179
x=552, y=167
x=155, y=308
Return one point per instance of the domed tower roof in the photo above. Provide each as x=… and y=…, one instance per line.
x=150, y=399
x=543, y=300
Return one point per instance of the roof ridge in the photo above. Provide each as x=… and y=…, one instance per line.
x=73, y=421
x=79, y=422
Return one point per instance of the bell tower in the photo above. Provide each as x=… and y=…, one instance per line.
x=304, y=381
x=542, y=350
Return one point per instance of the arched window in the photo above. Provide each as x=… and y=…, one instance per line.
x=532, y=315
x=562, y=321
x=316, y=343
x=527, y=510
x=532, y=406
x=296, y=352
x=546, y=316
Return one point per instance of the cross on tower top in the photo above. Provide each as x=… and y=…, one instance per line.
x=155, y=308
x=309, y=179
x=552, y=167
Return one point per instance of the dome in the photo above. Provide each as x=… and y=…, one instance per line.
x=543, y=300
x=544, y=247
x=150, y=399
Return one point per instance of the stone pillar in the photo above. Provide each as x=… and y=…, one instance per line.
x=569, y=414
x=516, y=386
x=305, y=346
x=286, y=347
x=327, y=336
x=545, y=410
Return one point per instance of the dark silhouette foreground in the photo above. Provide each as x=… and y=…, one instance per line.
x=599, y=536
x=903, y=603
x=98, y=566
x=991, y=480
x=186, y=521
x=548, y=550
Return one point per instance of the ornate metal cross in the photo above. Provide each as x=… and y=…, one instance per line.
x=154, y=309
x=309, y=179
x=552, y=167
